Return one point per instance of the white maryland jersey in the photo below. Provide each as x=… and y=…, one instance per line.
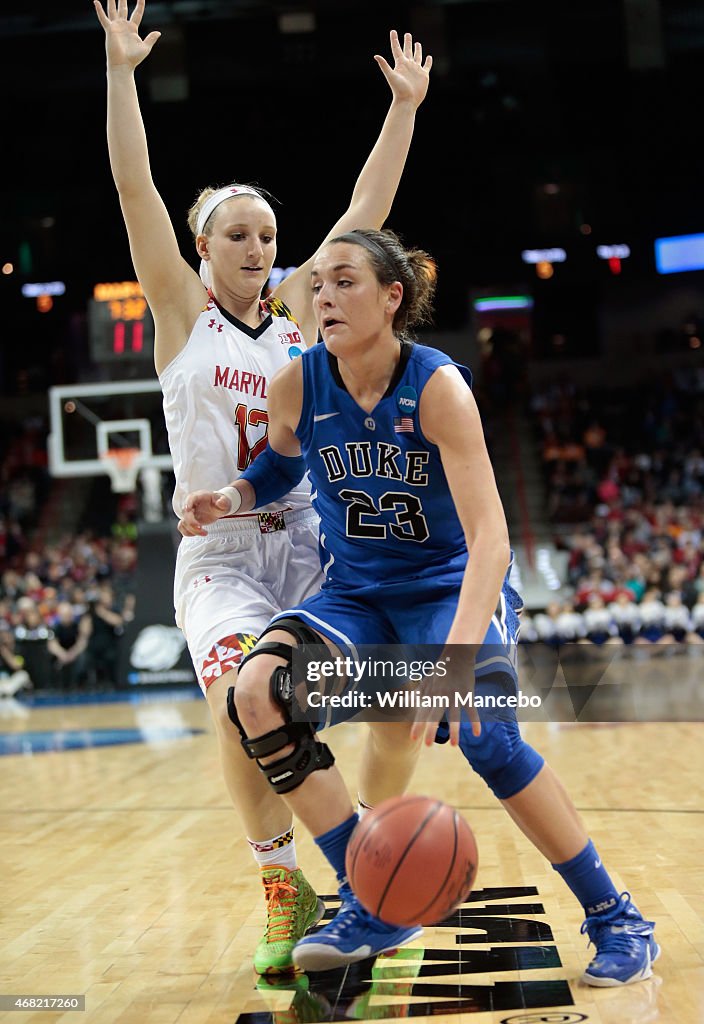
x=215, y=398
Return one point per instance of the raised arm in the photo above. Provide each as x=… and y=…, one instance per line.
x=172, y=288
x=379, y=179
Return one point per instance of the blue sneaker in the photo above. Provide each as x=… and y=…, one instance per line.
x=352, y=935
x=625, y=947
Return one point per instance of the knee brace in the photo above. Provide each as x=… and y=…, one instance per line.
x=308, y=755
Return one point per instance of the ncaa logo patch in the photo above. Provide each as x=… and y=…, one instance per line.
x=293, y=351
x=407, y=399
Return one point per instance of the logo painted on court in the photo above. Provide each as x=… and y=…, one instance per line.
x=374, y=990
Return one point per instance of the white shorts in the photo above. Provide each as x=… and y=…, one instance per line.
x=230, y=584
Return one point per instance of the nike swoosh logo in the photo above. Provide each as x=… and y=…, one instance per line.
x=597, y=863
x=324, y=416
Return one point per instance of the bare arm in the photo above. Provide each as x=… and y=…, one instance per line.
x=84, y=631
x=172, y=288
x=108, y=615
x=379, y=179
x=450, y=418
x=285, y=406
x=56, y=650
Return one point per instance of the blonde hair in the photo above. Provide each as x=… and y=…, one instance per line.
x=203, y=197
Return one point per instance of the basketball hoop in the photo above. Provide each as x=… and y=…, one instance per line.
x=122, y=465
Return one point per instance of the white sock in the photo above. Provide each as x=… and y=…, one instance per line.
x=362, y=808
x=280, y=850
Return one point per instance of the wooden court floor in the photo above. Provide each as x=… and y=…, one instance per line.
x=125, y=879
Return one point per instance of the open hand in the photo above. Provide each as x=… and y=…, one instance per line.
x=122, y=40
x=409, y=76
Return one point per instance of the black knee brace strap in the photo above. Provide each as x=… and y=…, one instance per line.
x=298, y=630
x=308, y=754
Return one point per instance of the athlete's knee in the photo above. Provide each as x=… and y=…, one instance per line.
x=286, y=751
x=216, y=696
x=500, y=756
x=258, y=676
x=250, y=694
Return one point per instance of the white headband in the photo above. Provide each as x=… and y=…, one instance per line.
x=211, y=204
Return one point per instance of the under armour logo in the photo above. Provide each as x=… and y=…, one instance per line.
x=212, y=324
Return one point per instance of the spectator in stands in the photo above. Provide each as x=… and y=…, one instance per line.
x=570, y=625
x=124, y=527
x=104, y=632
x=698, y=583
x=11, y=585
x=13, y=676
x=546, y=625
x=625, y=615
x=678, y=622
x=68, y=646
x=596, y=447
x=652, y=617
x=595, y=583
x=698, y=617
x=598, y=623
x=679, y=578
x=31, y=639
x=528, y=633
x=123, y=559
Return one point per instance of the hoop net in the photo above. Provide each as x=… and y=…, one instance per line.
x=122, y=465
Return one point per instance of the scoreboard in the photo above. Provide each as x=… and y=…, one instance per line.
x=120, y=323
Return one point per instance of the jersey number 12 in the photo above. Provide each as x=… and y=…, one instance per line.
x=245, y=417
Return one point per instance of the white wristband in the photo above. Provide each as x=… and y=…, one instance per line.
x=234, y=496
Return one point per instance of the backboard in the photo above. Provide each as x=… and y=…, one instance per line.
x=89, y=421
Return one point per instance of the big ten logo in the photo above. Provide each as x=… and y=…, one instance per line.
x=292, y=338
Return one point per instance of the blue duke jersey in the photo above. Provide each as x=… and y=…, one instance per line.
x=378, y=483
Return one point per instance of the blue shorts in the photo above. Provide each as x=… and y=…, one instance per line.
x=410, y=613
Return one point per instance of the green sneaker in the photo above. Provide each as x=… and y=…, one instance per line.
x=292, y=907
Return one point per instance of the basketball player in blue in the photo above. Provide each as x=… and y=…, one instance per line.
x=390, y=435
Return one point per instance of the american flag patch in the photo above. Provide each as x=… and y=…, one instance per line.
x=403, y=425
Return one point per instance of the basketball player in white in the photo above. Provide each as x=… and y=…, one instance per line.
x=217, y=347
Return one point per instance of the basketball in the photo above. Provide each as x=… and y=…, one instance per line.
x=412, y=860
